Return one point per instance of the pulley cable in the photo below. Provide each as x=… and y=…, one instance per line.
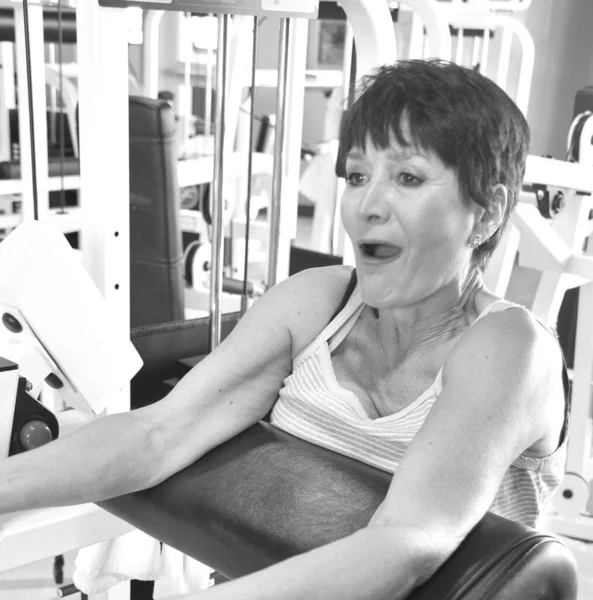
x=31, y=116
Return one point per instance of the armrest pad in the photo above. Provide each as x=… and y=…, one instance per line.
x=265, y=496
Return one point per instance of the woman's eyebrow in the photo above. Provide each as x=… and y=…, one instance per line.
x=406, y=153
x=394, y=155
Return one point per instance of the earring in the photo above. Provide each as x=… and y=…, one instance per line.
x=475, y=242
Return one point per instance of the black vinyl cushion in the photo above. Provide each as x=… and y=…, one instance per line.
x=162, y=345
x=156, y=253
x=265, y=496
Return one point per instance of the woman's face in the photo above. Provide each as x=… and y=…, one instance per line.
x=409, y=226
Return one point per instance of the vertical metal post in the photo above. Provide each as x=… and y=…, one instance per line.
x=337, y=231
x=249, y=163
x=7, y=95
x=217, y=184
x=187, y=100
x=208, y=102
x=32, y=180
x=277, y=175
x=485, y=48
x=102, y=49
x=104, y=148
x=53, y=97
x=150, y=51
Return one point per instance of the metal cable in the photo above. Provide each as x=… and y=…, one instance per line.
x=250, y=164
x=31, y=116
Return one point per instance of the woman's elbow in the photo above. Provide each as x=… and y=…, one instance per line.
x=422, y=551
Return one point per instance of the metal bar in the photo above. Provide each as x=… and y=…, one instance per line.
x=33, y=140
x=53, y=100
x=217, y=184
x=31, y=110
x=459, y=49
x=349, y=75
x=485, y=48
x=208, y=101
x=7, y=96
x=249, y=165
x=186, y=101
x=105, y=208
x=150, y=52
x=475, y=51
x=277, y=175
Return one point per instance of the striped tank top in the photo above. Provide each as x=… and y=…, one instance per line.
x=314, y=407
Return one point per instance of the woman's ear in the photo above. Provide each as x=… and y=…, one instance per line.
x=493, y=217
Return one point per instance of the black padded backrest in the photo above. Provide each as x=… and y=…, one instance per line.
x=156, y=253
x=161, y=346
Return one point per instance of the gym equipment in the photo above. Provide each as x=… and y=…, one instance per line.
x=304, y=258
x=50, y=24
x=156, y=255
x=218, y=510
x=376, y=45
x=557, y=246
x=55, y=324
x=33, y=425
x=306, y=8
x=101, y=76
x=198, y=272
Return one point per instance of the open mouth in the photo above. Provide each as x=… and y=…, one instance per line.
x=379, y=251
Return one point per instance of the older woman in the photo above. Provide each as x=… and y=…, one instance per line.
x=408, y=363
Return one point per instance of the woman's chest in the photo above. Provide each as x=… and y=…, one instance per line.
x=384, y=389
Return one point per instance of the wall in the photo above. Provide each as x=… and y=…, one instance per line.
x=563, y=64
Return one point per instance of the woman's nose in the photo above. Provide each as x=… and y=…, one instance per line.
x=373, y=204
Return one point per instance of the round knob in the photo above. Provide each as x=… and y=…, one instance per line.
x=54, y=381
x=572, y=496
x=11, y=323
x=34, y=434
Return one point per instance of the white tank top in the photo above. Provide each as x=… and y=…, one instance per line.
x=313, y=406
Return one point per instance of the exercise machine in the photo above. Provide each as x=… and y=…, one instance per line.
x=64, y=361
x=107, y=274
x=56, y=324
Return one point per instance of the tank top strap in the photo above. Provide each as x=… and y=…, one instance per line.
x=341, y=323
x=496, y=306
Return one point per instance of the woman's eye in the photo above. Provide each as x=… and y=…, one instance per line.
x=355, y=178
x=409, y=179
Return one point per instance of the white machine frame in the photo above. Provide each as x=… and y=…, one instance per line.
x=103, y=88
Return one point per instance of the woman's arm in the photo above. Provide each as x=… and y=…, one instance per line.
x=495, y=403
x=227, y=392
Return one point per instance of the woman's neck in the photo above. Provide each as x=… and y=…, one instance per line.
x=400, y=338
x=402, y=331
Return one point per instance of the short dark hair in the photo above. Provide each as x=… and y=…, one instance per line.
x=465, y=118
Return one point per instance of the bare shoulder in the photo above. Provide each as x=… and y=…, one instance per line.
x=509, y=335
x=309, y=299
x=526, y=361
